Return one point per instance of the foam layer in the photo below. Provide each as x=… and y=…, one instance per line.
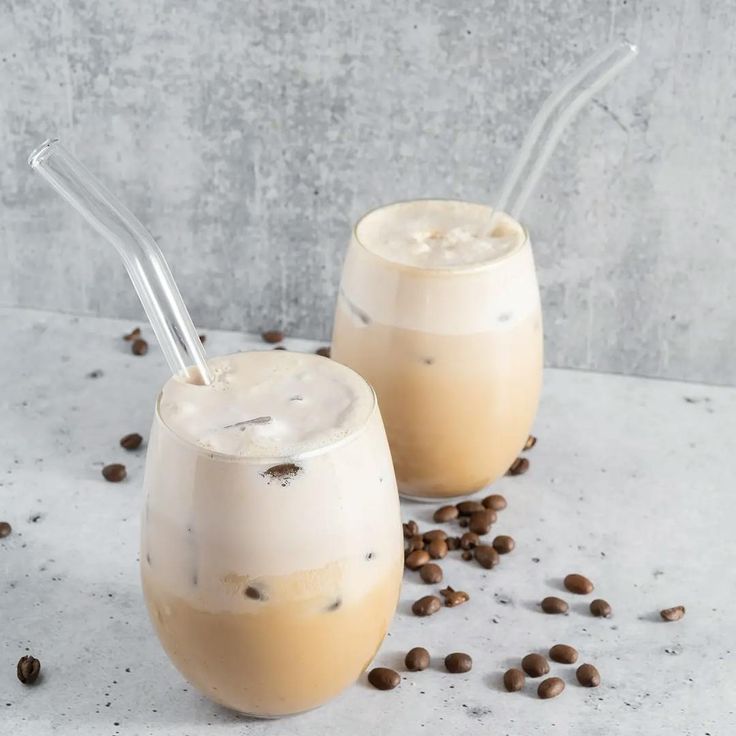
x=268, y=404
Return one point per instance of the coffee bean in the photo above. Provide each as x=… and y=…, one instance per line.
x=257, y=594
x=465, y=508
x=467, y=555
x=28, y=669
x=133, y=334
x=454, y=597
x=445, y=513
x=672, y=614
x=5, y=529
x=272, y=336
x=382, y=678
x=139, y=347
x=588, y=675
x=513, y=680
x=578, y=584
x=531, y=440
x=600, y=608
x=486, y=556
x=131, y=441
x=426, y=606
x=114, y=473
x=453, y=543
x=469, y=540
x=324, y=352
x=553, y=604
x=430, y=536
x=550, y=688
x=480, y=521
x=458, y=662
x=535, y=665
x=414, y=543
x=417, y=659
x=410, y=529
x=437, y=549
x=518, y=467
x=563, y=653
x=430, y=573
x=503, y=544
x=495, y=502
x=416, y=559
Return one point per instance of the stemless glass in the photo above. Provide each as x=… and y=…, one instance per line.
x=271, y=582
x=454, y=353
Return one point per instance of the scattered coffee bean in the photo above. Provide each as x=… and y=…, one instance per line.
x=417, y=659
x=139, y=347
x=445, y=513
x=416, y=559
x=324, y=352
x=411, y=529
x=203, y=339
x=553, y=604
x=114, y=472
x=131, y=441
x=430, y=536
x=481, y=521
x=437, y=549
x=133, y=334
x=588, y=675
x=513, y=680
x=518, y=467
x=414, y=543
x=5, y=529
x=550, y=688
x=563, y=653
x=578, y=584
x=486, y=556
x=535, y=665
x=382, y=678
x=430, y=573
x=453, y=543
x=272, y=336
x=503, y=544
x=495, y=502
x=531, y=440
x=467, y=555
x=469, y=540
x=458, y=663
x=465, y=508
x=426, y=606
x=454, y=597
x=600, y=608
x=672, y=614
x=28, y=669
x=463, y=521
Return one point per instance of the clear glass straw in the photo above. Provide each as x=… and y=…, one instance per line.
x=553, y=117
x=143, y=259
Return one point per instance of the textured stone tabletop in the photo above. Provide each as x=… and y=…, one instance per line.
x=631, y=483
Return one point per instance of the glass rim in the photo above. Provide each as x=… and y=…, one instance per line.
x=443, y=271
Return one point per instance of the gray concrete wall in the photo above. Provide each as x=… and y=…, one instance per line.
x=248, y=136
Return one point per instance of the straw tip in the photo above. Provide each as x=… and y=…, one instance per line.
x=39, y=154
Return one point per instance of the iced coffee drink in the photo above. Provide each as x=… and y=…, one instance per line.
x=439, y=310
x=271, y=552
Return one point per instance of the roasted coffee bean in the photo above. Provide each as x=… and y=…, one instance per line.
x=416, y=559
x=5, y=529
x=531, y=440
x=535, y=665
x=416, y=542
x=518, y=467
x=426, y=606
x=563, y=653
x=487, y=556
x=131, y=441
x=445, y=513
x=481, y=521
x=465, y=508
x=550, y=688
x=588, y=675
x=28, y=669
x=324, y=352
x=430, y=573
x=417, y=659
x=469, y=540
x=272, y=336
x=458, y=662
x=503, y=544
x=453, y=543
x=463, y=521
x=139, y=347
x=454, y=597
x=600, y=608
x=133, y=334
x=430, y=536
x=495, y=502
x=114, y=472
x=553, y=604
x=467, y=555
x=672, y=614
x=382, y=678
x=437, y=549
x=578, y=584
x=513, y=680
x=411, y=529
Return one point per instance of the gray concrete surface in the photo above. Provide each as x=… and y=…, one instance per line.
x=248, y=136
